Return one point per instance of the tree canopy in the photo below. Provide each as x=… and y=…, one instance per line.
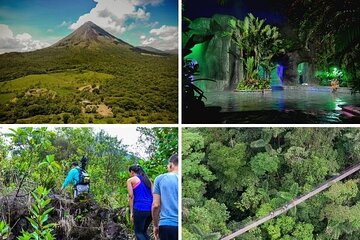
x=244, y=173
x=40, y=157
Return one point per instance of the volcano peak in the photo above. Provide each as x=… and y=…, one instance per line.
x=87, y=34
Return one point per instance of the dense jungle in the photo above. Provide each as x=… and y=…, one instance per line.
x=35, y=161
x=233, y=176
x=271, y=61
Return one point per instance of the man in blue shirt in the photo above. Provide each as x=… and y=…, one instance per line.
x=74, y=178
x=165, y=202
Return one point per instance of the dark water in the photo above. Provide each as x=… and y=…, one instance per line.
x=254, y=107
x=280, y=100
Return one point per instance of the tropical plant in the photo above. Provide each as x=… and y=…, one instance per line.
x=33, y=156
x=192, y=95
x=39, y=215
x=332, y=29
x=4, y=230
x=255, y=171
x=252, y=72
x=258, y=43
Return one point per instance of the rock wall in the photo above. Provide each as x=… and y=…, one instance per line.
x=216, y=62
x=219, y=60
x=292, y=60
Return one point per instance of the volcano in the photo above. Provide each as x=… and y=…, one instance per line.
x=89, y=76
x=88, y=34
x=89, y=46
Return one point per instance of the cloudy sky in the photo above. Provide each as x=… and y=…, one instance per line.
x=26, y=25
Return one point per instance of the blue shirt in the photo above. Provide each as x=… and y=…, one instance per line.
x=73, y=176
x=142, y=196
x=166, y=185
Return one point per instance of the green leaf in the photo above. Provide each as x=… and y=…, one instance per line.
x=44, y=218
x=48, y=210
x=50, y=158
x=33, y=223
x=36, y=209
x=258, y=143
x=41, y=164
x=46, y=202
x=50, y=225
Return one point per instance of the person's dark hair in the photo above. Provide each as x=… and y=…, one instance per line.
x=138, y=170
x=75, y=164
x=174, y=159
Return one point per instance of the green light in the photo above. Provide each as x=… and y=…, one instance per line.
x=196, y=52
x=300, y=68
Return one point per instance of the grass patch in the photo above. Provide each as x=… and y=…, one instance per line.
x=63, y=83
x=47, y=82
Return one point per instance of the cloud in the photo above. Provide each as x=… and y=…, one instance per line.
x=64, y=24
x=20, y=43
x=148, y=41
x=114, y=15
x=163, y=38
x=146, y=2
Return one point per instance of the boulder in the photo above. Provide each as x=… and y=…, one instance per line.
x=215, y=59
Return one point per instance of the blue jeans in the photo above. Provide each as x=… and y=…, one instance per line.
x=168, y=233
x=142, y=220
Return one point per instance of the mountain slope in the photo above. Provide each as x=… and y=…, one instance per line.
x=89, y=33
x=143, y=87
x=87, y=47
x=151, y=50
x=173, y=51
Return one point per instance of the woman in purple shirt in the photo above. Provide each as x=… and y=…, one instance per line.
x=140, y=189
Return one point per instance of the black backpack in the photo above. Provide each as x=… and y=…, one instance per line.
x=84, y=178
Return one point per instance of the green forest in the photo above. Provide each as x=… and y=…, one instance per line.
x=35, y=161
x=233, y=176
x=108, y=84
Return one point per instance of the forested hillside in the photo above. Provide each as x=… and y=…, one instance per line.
x=86, y=79
x=234, y=176
x=34, y=163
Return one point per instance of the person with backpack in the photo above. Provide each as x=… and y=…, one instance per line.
x=78, y=178
x=165, y=205
x=139, y=189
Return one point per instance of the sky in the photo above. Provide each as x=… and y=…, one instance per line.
x=26, y=25
x=128, y=135
x=272, y=11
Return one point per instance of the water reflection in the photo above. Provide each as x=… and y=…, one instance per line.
x=304, y=100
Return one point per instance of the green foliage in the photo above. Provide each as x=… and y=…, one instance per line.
x=304, y=231
x=332, y=73
x=39, y=216
x=209, y=218
x=258, y=43
x=264, y=163
x=335, y=38
x=33, y=156
x=160, y=143
x=264, y=209
x=252, y=172
x=4, y=230
x=42, y=86
x=195, y=174
x=227, y=163
x=342, y=193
